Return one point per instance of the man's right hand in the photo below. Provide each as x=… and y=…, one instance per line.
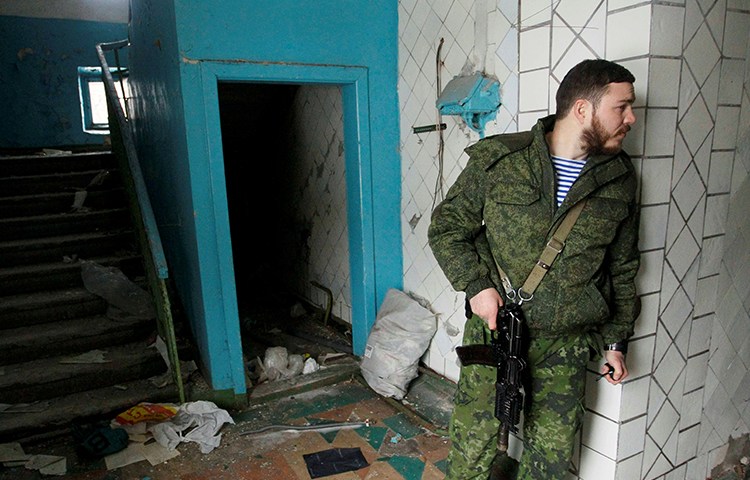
x=486, y=304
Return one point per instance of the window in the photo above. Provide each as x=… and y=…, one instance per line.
x=93, y=100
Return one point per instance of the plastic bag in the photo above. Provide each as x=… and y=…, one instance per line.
x=279, y=364
x=401, y=334
x=117, y=289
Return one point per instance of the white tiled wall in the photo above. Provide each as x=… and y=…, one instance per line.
x=318, y=182
x=689, y=360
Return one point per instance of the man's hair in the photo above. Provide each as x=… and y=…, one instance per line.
x=589, y=80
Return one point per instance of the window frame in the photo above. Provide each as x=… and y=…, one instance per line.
x=93, y=75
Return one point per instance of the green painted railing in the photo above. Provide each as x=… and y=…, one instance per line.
x=149, y=240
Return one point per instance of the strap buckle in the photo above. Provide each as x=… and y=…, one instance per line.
x=556, y=245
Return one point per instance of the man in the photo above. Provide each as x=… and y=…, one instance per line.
x=498, y=217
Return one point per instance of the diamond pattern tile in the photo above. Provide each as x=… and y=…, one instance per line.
x=696, y=124
x=702, y=54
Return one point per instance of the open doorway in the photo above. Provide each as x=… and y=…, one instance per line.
x=284, y=162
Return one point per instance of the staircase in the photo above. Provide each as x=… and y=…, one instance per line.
x=55, y=212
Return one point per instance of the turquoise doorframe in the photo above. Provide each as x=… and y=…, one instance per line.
x=367, y=288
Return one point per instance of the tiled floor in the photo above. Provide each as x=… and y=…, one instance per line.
x=396, y=443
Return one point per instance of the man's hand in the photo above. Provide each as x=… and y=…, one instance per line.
x=486, y=304
x=617, y=360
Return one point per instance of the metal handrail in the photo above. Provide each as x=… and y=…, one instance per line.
x=157, y=252
x=148, y=232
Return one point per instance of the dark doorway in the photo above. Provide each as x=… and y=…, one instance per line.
x=284, y=297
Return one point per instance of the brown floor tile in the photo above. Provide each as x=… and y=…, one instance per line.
x=271, y=466
x=374, y=409
x=383, y=471
x=342, y=414
x=433, y=447
x=431, y=472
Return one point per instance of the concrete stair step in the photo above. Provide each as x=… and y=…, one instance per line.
x=50, y=249
x=48, y=306
x=46, y=378
x=60, y=275
x=18, y=228
x=59, y=202
x=58, y=414
x=70, y=337
x=12, y=186
x=26, y=165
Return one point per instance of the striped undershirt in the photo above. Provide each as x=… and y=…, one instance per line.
x=566, y=172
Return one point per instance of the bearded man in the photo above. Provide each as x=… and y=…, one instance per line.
x=491, y=228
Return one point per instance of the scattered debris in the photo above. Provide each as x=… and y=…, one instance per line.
x=278, y=364
x=118, y=290
x=92, y=356
x=197, y=422
x=321, y=428
x=147, y=412
x=333, y=461
x=12, y=455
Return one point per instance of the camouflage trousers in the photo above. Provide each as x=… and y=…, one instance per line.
x=554, y=409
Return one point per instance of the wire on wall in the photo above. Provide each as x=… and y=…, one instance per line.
x=439, y=182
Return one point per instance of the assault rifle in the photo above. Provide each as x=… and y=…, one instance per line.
x=506, y=353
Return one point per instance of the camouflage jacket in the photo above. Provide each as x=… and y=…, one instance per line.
x=504, y=203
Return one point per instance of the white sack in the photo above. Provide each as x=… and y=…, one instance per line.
x=401, y=334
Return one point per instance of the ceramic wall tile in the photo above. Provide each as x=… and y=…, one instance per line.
x=666, y=30
x=640, y=357
x=535, y=12
x=661, y=82
x=736, y=34
x=649, y=275
x=534, y=44
x=660, y=132
x=700, y=337
x=653, y=227
x=726, y=127
x=631, y=438
x=691, y=409
x=595, y=466
x=711, y=255
x=598, y=434
x=716, y=214
x=730, y=86
x=629, y=468
x=601, y=397
x=656, y=180
x=646, y=322
x=628, y=33
x=534, y=86
x=697, y=367
x=702, y=54
x=635, y=395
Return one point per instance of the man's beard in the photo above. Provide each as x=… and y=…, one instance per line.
x=595, y=139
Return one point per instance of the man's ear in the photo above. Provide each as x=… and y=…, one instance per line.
x=582, y=111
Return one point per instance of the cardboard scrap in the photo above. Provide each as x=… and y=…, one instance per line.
x=93, y=356
x=12, y=455
x=138, y=452
x=48, y=464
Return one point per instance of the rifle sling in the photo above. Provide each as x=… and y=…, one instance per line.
x=553, y=248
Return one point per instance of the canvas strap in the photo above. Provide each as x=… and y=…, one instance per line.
x=553, y=248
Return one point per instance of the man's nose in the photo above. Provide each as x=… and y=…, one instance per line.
x=629, y=117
